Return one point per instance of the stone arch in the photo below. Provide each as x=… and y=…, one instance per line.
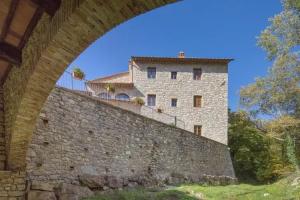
x=54, y=43
x=122, y=96
x=104, y=95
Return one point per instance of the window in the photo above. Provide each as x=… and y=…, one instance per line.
x=104, y=95
x=151, y=100
x=197, y=73
x=151, y=71
x=198, y=130
x=122, y=97
x=173, y=75
x=198, y=101
x=174, y=102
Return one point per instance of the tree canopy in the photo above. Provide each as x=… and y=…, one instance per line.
x=278, y=93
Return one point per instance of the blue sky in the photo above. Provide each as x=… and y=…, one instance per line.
x=201, y=28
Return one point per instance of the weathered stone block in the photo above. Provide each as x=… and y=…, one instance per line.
x=19, y=180
x=44, y=186
x=16, y=193
x=93, y=181
x=41, y=195
x=68, y=190
x=114, y=182
x=3, y=194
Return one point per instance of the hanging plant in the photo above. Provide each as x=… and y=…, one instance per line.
x=78, y=74
x=110, y=88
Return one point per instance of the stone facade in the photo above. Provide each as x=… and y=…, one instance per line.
x=78, y=136
x=2, y=132
x=12, y=185
x=146, y=111
x=212, y=116
x=213, y=87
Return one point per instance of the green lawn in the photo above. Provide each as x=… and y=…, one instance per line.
x=282, y=190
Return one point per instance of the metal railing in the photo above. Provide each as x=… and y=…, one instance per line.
x=162, y=116
x=68, y=81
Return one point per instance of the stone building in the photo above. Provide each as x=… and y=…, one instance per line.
x=190, y=93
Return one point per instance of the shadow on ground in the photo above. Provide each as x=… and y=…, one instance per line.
x=142, y=194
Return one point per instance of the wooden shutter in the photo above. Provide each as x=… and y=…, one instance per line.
x=197, y=101
x=198, y=130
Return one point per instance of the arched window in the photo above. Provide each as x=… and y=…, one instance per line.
x=104, y=95
x=122, y=97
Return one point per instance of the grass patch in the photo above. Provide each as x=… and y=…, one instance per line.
x=282, y=190
x=245, y=192
x=143, y=194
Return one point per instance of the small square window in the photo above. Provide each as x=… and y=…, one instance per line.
x=151, y=100
x=197, y=73
x=198, y=130
x=174, y=102
x=198, y=101
x=151, y=72
x=173, y=75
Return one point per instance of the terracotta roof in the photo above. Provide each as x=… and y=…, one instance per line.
x=180, y=60
x=101, y=79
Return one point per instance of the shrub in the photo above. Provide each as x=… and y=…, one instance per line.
x=139, y=101
x=256, y=157
x=110, y=88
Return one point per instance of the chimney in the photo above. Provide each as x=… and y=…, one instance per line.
x=181, y=54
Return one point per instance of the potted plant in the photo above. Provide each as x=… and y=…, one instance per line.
x=139, y=101
x=78, y=74
x=110, y=88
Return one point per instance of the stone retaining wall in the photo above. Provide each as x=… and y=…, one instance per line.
x=80, y=140
x=12, y=185
x=2, y=132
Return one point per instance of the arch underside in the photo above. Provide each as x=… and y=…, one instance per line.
x=55, y=42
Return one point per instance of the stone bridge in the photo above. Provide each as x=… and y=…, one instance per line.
x=54, y=43
x=58, y=32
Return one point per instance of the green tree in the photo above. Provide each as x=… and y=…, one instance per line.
x=278, y=93
x=261, y=153
x=286, y=129
x=295, y=4
x=250, y=149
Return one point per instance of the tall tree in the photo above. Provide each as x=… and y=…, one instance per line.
x=278, y=94
x=287, y=129
x=253, y=154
